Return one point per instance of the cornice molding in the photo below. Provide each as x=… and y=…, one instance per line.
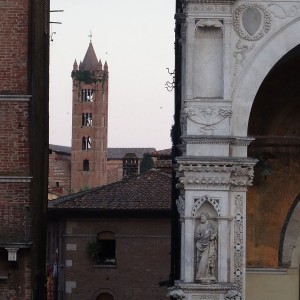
x=21, y=98
x=203, y=139
x=4, y=179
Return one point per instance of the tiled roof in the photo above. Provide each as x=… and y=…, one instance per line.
x=149, y=191
x=162, y=153
x=60, y=149
x=112, y=153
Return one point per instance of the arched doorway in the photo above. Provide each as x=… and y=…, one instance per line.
x=105, y=296
x=274, y=122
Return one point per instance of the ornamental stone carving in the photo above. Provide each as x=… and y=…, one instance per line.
x=220, y=175
x=238, y=242
x=212, y=200
x=251, y=21
x=177, y=293
x=282, y=13
x=180, y=206
x=233, y=295
x=208, y=116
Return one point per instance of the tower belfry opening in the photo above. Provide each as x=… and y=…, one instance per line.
x=90, y=106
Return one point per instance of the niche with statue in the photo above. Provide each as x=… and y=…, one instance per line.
x=206, y=240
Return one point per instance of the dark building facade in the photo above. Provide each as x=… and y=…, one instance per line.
x=112, y=242
x=24, y=81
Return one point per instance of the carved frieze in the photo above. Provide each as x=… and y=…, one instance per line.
x=208, y=116
x=215, y=175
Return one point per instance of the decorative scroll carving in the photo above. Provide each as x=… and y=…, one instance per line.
x=242, y=49
x=213, y=201
x=209, y=23
x=238, y=243
x=281, y=13
x=251, y=21
x=206, y=249
x=208, y=116
x=180, y=206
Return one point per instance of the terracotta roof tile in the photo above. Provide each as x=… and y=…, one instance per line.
x=149, y=191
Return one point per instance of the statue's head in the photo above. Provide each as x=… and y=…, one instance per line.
x=204, y=217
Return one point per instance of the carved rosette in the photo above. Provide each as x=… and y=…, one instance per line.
x=216, y=175
x=239, y=250
x=208, y=116
x=251, y=21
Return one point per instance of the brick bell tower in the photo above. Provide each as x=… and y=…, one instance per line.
x=89, y=123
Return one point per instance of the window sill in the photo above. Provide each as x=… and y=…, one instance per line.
x=103, y=266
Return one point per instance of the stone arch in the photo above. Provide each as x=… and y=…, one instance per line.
x=205, y=201
x=260, y=64
x=289, y=248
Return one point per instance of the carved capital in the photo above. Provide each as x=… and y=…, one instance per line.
x=216, y=174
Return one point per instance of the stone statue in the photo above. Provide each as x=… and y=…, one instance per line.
x=206, y=247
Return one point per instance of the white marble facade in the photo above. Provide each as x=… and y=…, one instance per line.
x=228, y=47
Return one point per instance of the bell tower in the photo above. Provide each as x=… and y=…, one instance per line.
x=89, y=122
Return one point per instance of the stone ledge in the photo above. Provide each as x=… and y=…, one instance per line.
x=21, y=98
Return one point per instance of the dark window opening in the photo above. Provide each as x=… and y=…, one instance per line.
x=57, y=183
x=86, y=143
x=86, y=119
x=87, y=95
x=86, y=165
x=107, y=255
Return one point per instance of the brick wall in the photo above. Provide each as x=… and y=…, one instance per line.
x=59, y=172
x=14, y=47
x=142, y=259
x=14, y=212
x=23, y=145
x=14, y=144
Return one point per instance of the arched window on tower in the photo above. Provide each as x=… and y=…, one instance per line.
x=86, y=165
x=89, y=143
x=84, y=143
x=86, y=119
x=87, y=95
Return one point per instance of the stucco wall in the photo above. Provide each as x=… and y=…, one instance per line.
x=272, y=284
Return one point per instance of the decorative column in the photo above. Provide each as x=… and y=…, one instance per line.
x=213, y=171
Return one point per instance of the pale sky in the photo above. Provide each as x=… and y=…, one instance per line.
x=136, y=37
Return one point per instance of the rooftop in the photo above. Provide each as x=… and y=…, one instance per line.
x=148, y=191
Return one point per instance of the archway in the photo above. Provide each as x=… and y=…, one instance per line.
x=259, y=65
x=274, y=124
x=105, y=296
